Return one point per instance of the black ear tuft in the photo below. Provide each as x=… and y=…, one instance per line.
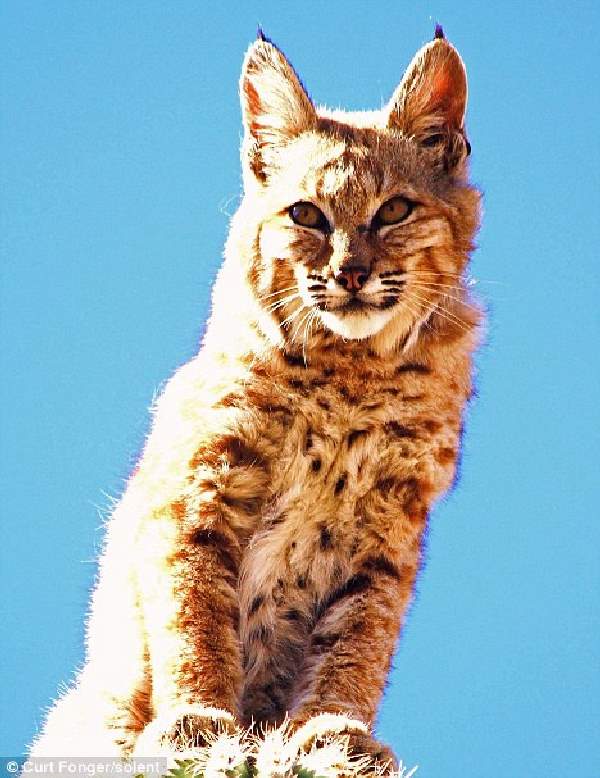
x=260, y=36
x=439, y=32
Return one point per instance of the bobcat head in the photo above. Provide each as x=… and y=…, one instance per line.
x=361, y=223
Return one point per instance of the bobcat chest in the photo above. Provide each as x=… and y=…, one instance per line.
x=330, y=456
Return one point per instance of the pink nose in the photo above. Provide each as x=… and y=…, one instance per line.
x=352, y=278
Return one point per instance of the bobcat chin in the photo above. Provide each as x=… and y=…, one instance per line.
x=263, y=556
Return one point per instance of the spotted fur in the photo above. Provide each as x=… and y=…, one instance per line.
x=264, y=554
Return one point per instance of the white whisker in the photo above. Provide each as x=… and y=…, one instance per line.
x=279, y=291
x=299, y=325
x=421, y=319
x=415, y=311
x=466, y=279
x=425, y=286
x=284, y=301
x=307, y=333
x=444, y=312
x=291, y=317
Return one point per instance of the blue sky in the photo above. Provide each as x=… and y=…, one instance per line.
x=119, y=134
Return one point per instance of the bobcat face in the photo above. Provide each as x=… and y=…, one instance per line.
x=360, y=267
x=361, y=242
x=363, y=220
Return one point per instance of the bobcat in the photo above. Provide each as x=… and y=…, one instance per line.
x=263, y=556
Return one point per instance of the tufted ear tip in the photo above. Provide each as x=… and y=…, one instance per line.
x=263, y=38
x=439, y=32
x=260, y=36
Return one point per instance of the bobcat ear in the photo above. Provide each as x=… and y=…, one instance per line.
x=430, y=103
x=275, y=106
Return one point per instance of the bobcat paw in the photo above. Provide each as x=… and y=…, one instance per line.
x=361, y=744
x=321, y=730
x=183, y=730
x=322, y=725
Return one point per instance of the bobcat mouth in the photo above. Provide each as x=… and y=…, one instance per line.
x=354, y=305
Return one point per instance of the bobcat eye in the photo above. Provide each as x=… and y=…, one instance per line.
x=394, y=211
x=433, y=140
x=308, y=215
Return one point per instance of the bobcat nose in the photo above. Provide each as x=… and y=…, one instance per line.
x=352, y=278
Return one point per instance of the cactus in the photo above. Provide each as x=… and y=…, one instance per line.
x=245, y=755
